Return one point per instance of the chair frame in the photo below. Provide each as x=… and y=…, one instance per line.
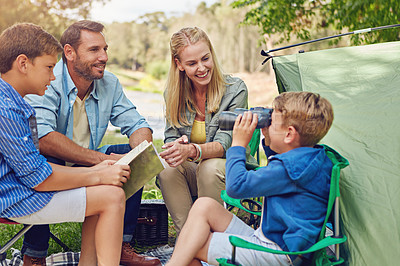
x=17, y=236
x=339, y=163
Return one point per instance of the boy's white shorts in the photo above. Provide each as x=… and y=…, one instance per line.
x=65, y=206
x=220, y=247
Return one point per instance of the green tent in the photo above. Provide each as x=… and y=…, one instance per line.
x=363, y=85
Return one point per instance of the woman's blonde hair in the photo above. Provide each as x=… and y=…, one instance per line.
x=309, y=113
x=179, y=93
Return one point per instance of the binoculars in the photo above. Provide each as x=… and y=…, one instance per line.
x=227, y=118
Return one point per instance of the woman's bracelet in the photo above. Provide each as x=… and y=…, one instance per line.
x=198, y=153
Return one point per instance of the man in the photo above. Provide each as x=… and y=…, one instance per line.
x=72, y=119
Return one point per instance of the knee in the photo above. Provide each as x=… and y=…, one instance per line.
x=203, y=205
x=211, y=172
x=168, y=174
x=114, y=197
x=214, y=167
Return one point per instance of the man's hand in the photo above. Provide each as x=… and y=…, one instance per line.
x=114, y=157
x=244, y=128
x=103, y=164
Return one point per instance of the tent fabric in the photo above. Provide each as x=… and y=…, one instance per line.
x=363, y=85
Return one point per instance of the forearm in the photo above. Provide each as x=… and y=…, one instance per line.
x=211, y=150
x=64, y=178
x=59, y=146
x=139, y=136
x=237, y=181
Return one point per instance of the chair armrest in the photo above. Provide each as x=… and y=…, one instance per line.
x=237, y=203
x=238, y=242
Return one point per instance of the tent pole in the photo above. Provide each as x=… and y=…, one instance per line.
x=266, y=53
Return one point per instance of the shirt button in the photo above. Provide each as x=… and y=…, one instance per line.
x=25, y=139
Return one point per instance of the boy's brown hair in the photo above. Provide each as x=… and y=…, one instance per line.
x=72, y=35
x=28, y=39
x=309, y=113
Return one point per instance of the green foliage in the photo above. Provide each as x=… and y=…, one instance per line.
x=152, y=194
x=143, y=44
x=360, y=14
x=52, y=15
x=301, y=17
x=158, y=69
x=69, y=234
x=150, y=84
x=134, y=44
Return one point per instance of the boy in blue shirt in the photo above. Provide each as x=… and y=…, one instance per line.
x=33, y=191
x=295, y=184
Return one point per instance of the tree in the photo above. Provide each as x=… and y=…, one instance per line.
x=236, y=46
x=296, y=17
x=52, y=15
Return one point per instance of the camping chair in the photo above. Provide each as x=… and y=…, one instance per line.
x=320, y=256
x=25, y=228
x=254, y=145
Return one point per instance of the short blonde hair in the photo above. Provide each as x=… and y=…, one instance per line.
x=309, y=113
x=179, y=93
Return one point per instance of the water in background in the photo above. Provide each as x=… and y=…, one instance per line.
x=151, y=106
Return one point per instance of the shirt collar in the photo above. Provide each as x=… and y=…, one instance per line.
x=69, y=84
x=14, y=96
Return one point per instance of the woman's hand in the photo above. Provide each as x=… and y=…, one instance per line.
x=176, y=152
x=244, y=128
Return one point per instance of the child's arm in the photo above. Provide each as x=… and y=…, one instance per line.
x=64, y=178
x=32, y=169
x=265, y=181
x=241, y=183
x=243, y=129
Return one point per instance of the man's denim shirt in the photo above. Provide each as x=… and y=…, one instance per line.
x=106, y=103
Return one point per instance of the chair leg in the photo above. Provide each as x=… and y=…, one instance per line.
x=15, y=238
x=59, y=242
x=232, y=261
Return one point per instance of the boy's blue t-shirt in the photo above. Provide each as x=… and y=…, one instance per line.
x=295, y=185
x=21, y=166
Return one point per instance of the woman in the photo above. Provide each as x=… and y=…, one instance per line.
x=197, y=92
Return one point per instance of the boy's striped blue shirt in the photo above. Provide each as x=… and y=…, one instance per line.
x=21, y=166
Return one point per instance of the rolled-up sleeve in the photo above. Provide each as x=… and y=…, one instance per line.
x=19, y=151
x=235, y=97
x=46, y=108
x=171, y=133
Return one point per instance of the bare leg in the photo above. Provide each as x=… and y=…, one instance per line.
x=88, y=248
x=205, y=217
x=108, y=204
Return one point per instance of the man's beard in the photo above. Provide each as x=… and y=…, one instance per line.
x=84, y=70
